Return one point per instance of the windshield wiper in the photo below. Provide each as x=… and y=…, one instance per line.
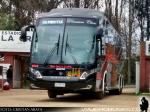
x=36, y=36
x=92, y=47
x=70, y=50
x=58, y=44
x=50, y=54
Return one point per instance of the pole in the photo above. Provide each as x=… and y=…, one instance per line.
x=137, y=77
x=130, y=40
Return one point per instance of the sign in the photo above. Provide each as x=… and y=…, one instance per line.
x=10, y=42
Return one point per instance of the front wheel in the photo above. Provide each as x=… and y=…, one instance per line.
x=99, y=95
x=115, y=92
x=51, y=94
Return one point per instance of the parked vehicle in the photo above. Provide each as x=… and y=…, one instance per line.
x=75, y=50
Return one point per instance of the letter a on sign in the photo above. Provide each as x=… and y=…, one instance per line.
x=10, y=38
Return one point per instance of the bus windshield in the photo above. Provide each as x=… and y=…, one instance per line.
x=64, y=41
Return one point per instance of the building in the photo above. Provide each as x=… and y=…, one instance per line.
x=144, y=67
x=14, y=52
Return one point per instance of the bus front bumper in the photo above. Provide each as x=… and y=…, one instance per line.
x=63, y=83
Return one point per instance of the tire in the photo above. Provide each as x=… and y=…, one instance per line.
x=115, y=92
x=51, y=94
x=118, y=90
x=99, y=95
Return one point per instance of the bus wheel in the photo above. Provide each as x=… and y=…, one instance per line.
x=115, y=92
x=51, y=94
x=118, y=92
x=99, y=95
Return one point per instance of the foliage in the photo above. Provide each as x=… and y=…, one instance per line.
x=17, y=13
x=142, y=14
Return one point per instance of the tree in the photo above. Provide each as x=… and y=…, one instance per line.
x=92, y=4
x=77, y=3
x=131, y=13
x=116, y=16
x=142, y=15
x=147, y=8
x=23, y=11
x=108, y=10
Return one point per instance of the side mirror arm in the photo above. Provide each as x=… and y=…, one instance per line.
x=99, y=34
x=24, y=29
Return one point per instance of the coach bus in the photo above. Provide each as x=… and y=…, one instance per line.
x=74, y=51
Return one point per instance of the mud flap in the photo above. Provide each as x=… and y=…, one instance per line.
x=99, y=81
x=99, y=94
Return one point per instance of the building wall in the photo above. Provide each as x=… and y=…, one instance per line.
x=13, y=59
x=144, y=70
x=13, y=50
x=8, y=59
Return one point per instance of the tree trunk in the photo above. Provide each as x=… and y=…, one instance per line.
x=130, y=40
x=110, y=11
x=148, y=19
x=86, y=3
x=77, y=3
x=116, y=16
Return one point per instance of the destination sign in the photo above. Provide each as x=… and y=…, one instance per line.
x=59, y=21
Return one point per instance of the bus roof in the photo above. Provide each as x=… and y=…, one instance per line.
x=72, y=12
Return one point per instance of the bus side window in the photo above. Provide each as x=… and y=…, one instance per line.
x=101, y=49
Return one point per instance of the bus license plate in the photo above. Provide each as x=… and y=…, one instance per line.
x=60, y=85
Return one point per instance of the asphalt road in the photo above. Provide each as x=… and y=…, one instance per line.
x=39, y=98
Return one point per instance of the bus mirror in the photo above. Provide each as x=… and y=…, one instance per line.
x=24, y=30
x=99, y=34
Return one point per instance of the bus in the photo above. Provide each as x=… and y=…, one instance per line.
x=74, y=50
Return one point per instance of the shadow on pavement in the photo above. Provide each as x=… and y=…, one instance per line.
x=74, y=98
x=86, y=97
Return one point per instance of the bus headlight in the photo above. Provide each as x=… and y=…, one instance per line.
x=36, y=73
x=31, y=70
x=84, y=75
